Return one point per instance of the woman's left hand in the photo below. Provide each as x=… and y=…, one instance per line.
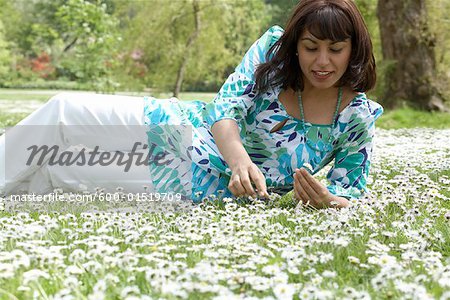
x=309, y=190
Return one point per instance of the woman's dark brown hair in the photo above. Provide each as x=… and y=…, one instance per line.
x=335, y=20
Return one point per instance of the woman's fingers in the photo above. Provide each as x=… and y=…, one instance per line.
x=321, y=193
x=235, y=185
x=297, y=188
x=313, y=189
x=303, y=190
x=240, y=185
x=306, y=184
x=260, y=181
x=241, y=182
x=316, y=186
x=247, y=184
x=299, y=191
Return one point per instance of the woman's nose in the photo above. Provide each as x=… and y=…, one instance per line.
x=323, y=58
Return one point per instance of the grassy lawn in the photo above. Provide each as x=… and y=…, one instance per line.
x=44, y=95
x=394, y=243
x=409, y=118
x=24, y=97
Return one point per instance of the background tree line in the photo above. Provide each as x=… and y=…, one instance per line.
x=192, y=45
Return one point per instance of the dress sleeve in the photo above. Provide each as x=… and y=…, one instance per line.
x=237, y=93
x=348, y=176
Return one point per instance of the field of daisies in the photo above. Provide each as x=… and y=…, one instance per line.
x=392, y=244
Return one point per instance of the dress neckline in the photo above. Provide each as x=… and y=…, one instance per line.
x=338, y=104
x=314, y=124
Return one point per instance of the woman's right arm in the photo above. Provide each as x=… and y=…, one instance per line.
x=243, y=171
x=227, y=112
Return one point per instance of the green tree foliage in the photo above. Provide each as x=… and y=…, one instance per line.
x=439, y=13
x=5, y=55
x=82, y=39
x=281, y=10
x=160, y=30
x=368, y=9
x=13, y=19
x=8, y=20
x=79, y=36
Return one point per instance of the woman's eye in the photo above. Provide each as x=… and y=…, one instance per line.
x=335, y=50
x=311, y=49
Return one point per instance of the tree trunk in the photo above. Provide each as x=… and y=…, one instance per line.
x=408, y=45
x=188, y=50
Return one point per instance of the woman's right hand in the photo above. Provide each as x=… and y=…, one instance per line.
x=243, y=177
x=244, y=172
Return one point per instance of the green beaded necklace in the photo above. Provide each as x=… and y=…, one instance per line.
x=302, y=116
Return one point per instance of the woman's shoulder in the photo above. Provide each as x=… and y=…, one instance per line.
x=361, y=108
x=272, y=35
x=276, y=30
x=257, y=53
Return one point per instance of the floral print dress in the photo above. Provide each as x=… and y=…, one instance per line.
x=196, y=167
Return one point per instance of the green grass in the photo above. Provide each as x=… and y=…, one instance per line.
x=8, y=120
x=272, y=226
x=24, y=97
x=43, y=95
x=410, y=118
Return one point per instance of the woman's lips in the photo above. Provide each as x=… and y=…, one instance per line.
x=321, y=75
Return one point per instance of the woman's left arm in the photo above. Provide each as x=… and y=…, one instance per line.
x=348, y=176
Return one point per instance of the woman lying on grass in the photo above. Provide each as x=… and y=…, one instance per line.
x=296, y=99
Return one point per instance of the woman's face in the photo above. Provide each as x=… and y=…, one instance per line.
x=323, y=62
